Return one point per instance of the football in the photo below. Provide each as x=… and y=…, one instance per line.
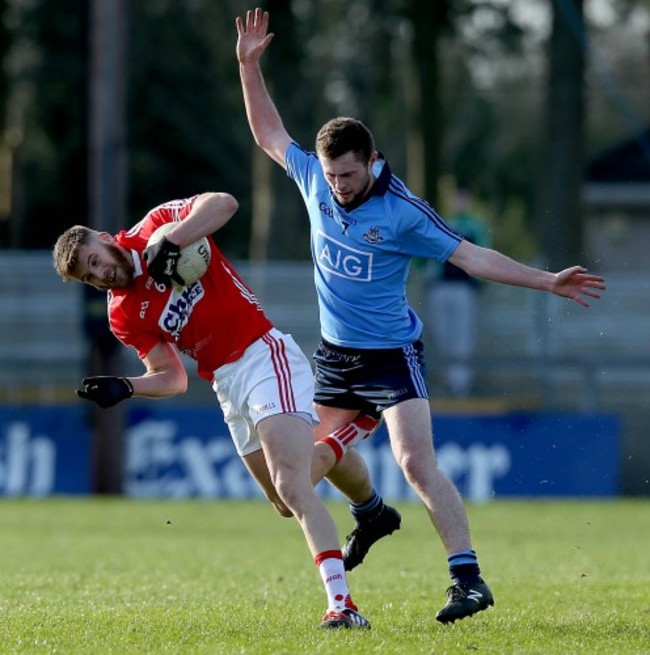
x=194, y=259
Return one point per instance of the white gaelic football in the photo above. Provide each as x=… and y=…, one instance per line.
x=194, y=259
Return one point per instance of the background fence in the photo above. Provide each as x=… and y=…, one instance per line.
x=536, y=351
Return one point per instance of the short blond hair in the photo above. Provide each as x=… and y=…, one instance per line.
x=65, y=254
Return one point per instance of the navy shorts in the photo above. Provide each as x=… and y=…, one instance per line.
x=368, y=380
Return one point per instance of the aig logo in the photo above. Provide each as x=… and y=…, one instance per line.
x=339, y=259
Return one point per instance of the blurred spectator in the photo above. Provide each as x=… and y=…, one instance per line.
x=453, y=301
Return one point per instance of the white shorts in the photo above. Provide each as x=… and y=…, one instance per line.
x=273, y=376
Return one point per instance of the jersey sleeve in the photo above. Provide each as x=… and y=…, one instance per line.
x=141, y=341
x=167, y=212
x=425, y=233
x=301, y=167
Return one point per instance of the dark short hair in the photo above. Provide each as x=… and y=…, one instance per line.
x=342, y=135
x=65, y=254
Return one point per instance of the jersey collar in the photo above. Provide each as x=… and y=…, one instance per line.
x=382, y=180
x=136, y=263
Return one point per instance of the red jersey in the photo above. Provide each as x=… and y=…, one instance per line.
x=212, y=321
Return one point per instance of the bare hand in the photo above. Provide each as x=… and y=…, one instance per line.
x=575, y=282
x=253, y=39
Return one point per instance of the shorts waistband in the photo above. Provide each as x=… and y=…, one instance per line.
x=343, y=350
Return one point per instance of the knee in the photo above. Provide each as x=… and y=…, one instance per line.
x=417, y=470
x=281, y=509
x=289, y=497
x=279, y=505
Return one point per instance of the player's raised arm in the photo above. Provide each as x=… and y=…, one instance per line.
x=263, y=117
x=210, y=211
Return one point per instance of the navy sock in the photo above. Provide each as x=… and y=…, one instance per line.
x=463, y=567
x=368, y=510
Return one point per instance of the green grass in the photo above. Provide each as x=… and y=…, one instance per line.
x=122, y=576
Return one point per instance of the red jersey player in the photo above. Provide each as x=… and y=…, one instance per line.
x=262, y=379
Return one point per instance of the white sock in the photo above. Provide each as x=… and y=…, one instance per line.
x=332, y=573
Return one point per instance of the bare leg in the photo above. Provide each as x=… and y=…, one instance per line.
x=351, y=477
x=287, y=444
x=288, y=447
x=373, y=519
x=350, y=474
x=409, y=426
x=257, y=467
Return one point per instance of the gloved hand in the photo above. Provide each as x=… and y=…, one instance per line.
x=162, y=259
x=105, y=390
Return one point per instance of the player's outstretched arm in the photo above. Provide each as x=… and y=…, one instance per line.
x=263, y=117
x=165, y=376
x=574, y=283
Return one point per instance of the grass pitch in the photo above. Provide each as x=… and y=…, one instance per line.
x=123, y=576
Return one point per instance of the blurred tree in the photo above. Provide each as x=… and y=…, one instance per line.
x=5, y=150
x=364, y=53
x=280, y=225
x=559, y=217
x=619, y=57
x=492, y=108
x=473, y=68
x=187, y=129
x=5, y=40
x=107, y=29
x=430, y=20
x=474, y=106
x=488, y=99
x=51, y=162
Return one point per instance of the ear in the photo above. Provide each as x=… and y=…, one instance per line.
x=373, y=157
x=105, y=236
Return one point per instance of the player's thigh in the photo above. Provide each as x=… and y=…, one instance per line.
x=287, y=441
x=410, y=431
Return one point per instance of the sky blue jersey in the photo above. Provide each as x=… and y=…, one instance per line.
x=362, y=257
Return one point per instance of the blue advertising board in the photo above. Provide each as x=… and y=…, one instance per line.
x=186, y=452
x=183, y=453
x=530, y=454
x=44, y=451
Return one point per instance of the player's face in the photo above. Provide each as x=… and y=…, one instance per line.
x=104, y=265
x=349, y=177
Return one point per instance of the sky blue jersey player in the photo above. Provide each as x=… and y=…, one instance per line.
x=365, y=228
x=362, y=253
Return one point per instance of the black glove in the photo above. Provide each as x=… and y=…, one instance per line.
x=162, y=259
x=105, y=390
